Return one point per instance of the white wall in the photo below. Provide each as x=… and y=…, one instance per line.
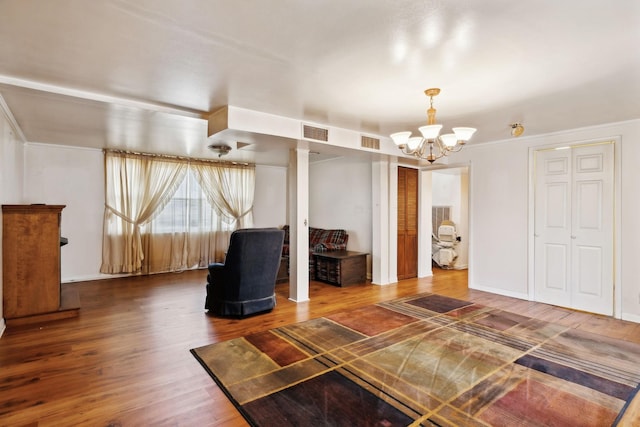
x=499, y=209
x=270, y=200
x=340, y=197
x=74, y=177
x=498, y=224
x=446, y=191
x=11, y=181
x=11, y=164
x=63, y=175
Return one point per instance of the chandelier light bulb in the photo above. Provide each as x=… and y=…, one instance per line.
x=449, y=139
x=414, y=142
x=430, y=131
x=464, y=134
x=400, y=138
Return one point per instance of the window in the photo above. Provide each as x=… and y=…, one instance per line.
x=188, y=211
x=165, y=213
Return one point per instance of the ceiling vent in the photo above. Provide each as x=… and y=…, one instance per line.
x=311, y=132
x=369, y=142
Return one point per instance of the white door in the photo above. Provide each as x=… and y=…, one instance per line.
x=552, y=227
x=574, y=227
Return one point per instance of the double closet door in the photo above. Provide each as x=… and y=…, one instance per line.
x=574, y=227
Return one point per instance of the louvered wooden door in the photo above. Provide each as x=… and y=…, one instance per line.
x=407, y=223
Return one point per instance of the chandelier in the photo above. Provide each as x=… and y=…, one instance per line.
x=431, y=145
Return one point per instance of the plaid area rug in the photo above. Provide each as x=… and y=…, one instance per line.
x=426, y=360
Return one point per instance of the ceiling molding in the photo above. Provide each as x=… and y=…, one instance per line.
x=101, y=97
x=12, y=120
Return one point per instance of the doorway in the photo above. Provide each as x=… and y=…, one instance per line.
x=574, y=202
x=450, y=202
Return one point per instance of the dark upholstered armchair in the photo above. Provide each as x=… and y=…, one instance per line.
x=245, y=283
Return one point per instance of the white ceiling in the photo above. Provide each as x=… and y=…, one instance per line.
x=142, y=74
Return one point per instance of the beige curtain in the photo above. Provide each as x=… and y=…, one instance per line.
x=183, y=250
x=137, y=188
x=230, y=190
x=188, y=233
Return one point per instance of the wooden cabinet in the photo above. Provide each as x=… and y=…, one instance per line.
x=31, y=264
x=342, y=268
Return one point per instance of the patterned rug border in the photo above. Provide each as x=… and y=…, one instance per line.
x=625, y=408
x=461, y=317
x=224, y=389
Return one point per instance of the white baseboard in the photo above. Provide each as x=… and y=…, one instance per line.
x=299, y=301
x=625, y=316
x=3, y=326
x=631, y=317
x=101, y=276
x=390, y=282
x=91, y=277
x=499, y=291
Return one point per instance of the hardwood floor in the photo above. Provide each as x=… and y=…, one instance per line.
x=125, y=360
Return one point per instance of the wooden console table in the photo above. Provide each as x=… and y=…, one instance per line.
x=342, y=268
x=31, y=266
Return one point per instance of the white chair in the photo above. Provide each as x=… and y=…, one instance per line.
x=443, y=245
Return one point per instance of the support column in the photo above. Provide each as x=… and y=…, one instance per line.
x=382, y=205
x=299, y=225
x=393, y=220
x=425, y=202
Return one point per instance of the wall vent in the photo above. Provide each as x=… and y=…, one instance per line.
x=319, y=134
x=439, y=214
x=369, y=142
